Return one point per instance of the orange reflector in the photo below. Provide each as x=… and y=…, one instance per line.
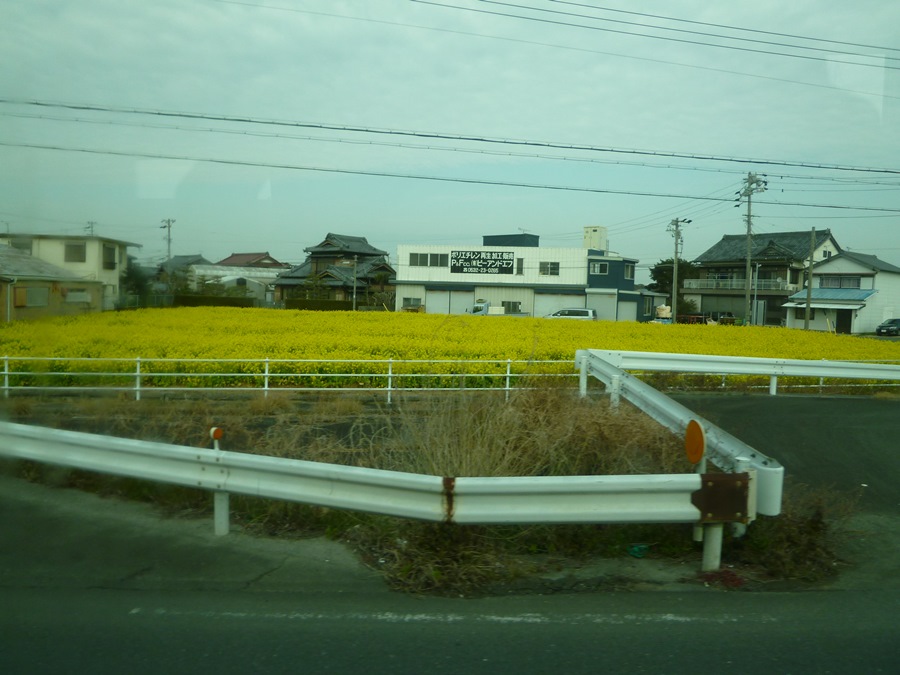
x=216, y=433
x=694, y=442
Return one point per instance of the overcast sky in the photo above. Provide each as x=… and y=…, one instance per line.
x=456, y=76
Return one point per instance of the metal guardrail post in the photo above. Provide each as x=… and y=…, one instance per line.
x=137, y=379
x=508, y=366
x=266, y=380
x=615, y=390
x=5, y=377
x=221, y=513
x=583, y=377
x=712, y=547
x=773, y=385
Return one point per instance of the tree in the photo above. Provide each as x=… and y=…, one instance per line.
x=135, y=281
x=661, y=273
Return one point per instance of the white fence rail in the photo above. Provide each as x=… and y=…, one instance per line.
x=675, y=498
x=146, y=376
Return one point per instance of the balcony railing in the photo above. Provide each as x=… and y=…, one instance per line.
x=739, y=284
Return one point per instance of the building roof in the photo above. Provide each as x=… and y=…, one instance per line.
x=16, y=264
x=346, y=245
x=365, y=271
x=69, y=237
x=772, y=245
x=182, y=262
x=251, y=260
x=831, y=298
x=863, y=259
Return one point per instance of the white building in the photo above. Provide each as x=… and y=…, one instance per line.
x=514, y=272
x=851, y=293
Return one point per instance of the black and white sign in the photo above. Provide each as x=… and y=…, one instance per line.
x=482, y=262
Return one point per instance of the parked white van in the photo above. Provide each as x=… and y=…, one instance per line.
x=574, y=313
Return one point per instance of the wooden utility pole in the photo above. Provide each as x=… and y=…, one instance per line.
x=812, y=250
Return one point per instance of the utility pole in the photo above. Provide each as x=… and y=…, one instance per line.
x=675, y=229
x=752, y=185
x=90, y=227
x=167, y=225
x=812, y=250
x=355, y=257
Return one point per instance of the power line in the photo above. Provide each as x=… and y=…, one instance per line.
x=557, y=46
x=385, y=174
x=645, y=35
x=696, y=32
x=720, y=25
x=444, y=136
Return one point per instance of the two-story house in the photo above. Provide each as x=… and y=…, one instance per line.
x=339, y=268
x=851, y=293
x=31, y=288
x=778, y=261
x=516, y=273
x=87, y=257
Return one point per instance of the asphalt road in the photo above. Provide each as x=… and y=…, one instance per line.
x=96, y=585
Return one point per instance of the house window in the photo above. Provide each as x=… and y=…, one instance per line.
x=109, y=257
x=648, y=306
x=839, y=282
x=629, y=270
x=800, y=313
x=512, y=307
x=76, y=252
x=31, y=297
x=548, y=269
x=520, y=266
x=598, y=268
x=412, y=302
x=78, y=295
x=418, y=260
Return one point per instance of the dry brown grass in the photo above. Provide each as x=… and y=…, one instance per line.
x=546, y=430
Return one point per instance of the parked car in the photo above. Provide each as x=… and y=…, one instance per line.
x=889, y=327
x=574, y=313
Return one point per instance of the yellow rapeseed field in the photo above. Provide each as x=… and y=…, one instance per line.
x=233, y=333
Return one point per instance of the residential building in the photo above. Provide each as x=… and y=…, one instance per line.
x=777, y=264
x=516, y=273
x=31, y=288
x=340, y=268
x=851, y=293
x=87, y=257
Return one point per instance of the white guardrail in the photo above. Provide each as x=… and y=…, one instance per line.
x=723, y=449
x=675, y=498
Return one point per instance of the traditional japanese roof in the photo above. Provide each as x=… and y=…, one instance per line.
x=773, y=245
x=182, y=262
x=344, y=245
x=262, y=259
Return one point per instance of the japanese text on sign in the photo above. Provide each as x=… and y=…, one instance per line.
x=482, y=262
